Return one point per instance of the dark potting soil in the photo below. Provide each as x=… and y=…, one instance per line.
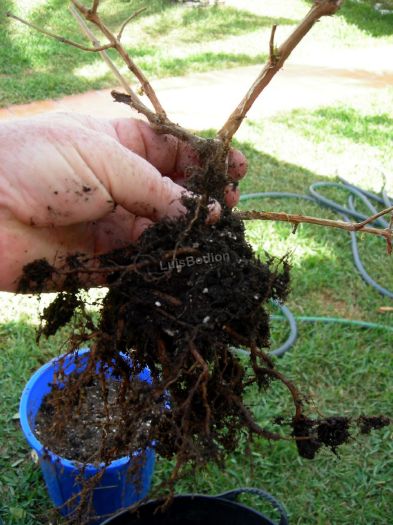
x=92, y=429
x=178, y=301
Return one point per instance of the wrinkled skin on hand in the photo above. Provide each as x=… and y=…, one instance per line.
x=72, y=183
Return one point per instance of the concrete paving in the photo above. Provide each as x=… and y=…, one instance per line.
x=205, y=100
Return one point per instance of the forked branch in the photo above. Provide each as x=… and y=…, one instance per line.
x=128, y=20
x=276, y=61
x=387, y=233
x=158, y=117
x=162, y=124
x=104, y=55
x=92, y=16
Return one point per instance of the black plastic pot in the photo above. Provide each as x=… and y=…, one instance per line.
x=195, y=509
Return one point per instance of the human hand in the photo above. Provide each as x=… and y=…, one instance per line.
x=72, y=183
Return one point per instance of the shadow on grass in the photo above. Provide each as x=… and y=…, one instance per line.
x=13, y=59
x=161, y=66
x=35, y=67
x=362, y=14
x=367, y=18
x=195, y=25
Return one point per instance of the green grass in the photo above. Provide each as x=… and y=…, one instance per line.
x=199, y=62
x=342, y=122
x=34, y=67
x=351, y=139
x=342, y=369
x=363, y=15
x=167, y=39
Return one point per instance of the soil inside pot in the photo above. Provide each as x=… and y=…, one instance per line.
x=94, y=426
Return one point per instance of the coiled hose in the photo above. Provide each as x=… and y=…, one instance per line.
x=350, y=210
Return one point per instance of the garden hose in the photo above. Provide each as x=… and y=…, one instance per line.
x=350, y=210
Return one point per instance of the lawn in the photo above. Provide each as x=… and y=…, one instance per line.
x=343, y=369
x=167, y=39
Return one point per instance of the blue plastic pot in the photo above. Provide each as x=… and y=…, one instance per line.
x=115, y=490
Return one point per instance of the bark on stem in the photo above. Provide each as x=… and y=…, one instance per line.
x=59, y=37
x=92, y=16
x=319, y=9
x=104, y=55
x=160, y=123
x=298, y=219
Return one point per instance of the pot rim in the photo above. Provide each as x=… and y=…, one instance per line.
x=217, y=498
x=33, y=441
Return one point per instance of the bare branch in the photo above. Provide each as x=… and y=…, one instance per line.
x=389, y=241
x=319, y=9
x=145, y=84
x=298, y=219
x=159, y=120
x=105, y=56
x=272, y=52
x=94, y=7
x=92, y=16
x=81, y=8
x=58, y=37
x=162, y=124
x=360, y=225
x=128, y=20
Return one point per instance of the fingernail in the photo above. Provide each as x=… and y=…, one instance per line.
x=214, y=212
x=232, y=186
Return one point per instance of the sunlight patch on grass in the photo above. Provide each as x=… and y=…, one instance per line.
x=277, y=239
x=93, y=71
x=273, y=9
x=351, y=140
x=344, y=123
x=16, y=307
x=157, y=65
x=25, y=7
x=358, y=163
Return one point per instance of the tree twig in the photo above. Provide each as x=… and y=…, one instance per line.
x=272, y=52
x=94, y=8
x=95, y=19
x=58, y=37
x=360, y=225
x=276, y=61
x=298, y=219
x=162, y=124
x=128, y=20
x=389, y=241
x=104, y=55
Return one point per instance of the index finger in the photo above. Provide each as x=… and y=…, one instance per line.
x=167, y=153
